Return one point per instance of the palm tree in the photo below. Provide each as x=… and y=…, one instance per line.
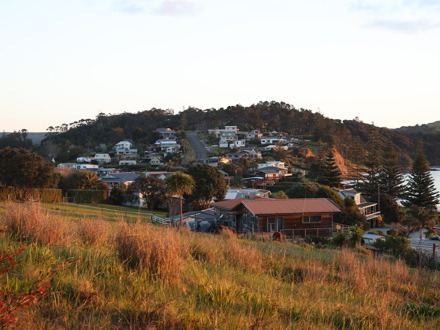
x=179, y=184
x=88, y=180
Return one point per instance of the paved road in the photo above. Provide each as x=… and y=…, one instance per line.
x=198, y=146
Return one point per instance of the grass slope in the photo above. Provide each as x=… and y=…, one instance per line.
x=138, y=276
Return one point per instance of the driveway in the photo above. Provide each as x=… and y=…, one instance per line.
x=197, y=145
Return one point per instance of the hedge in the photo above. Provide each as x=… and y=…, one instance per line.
x=33, y=194
x=87, y=196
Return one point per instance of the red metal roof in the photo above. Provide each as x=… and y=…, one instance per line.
x=229, y=205
x=289, y=206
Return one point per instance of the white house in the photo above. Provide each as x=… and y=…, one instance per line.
x=102, y=158
x=255, y=134
x=167, y=145
x=127, y=162
x=269, y=140
x=273, y=146
x=84, y=159
x=273, y=163
x=71, y=166
x=126, y=153
x=227, y=131
x=90, y=167
x=166, y=133
x=123, y=145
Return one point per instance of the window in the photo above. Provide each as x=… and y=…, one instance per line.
x=274, y=224
x=311, y=218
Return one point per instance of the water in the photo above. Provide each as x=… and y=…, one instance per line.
x=436, y=176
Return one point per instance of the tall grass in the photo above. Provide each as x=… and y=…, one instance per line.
x=158, y=251
x=139, y=276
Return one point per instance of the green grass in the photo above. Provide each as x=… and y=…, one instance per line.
x=110, y=212
x=204, y=281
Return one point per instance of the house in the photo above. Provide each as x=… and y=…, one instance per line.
x=167, y=145
x=84, y=159
x=254, y=134
x=272, y=174
x=270, y=140
x=158, y=174
x=126, y=153
x=254, y=182
x=273, y=147
x=156, y=160
x=116, y=180
x=228, y=130
x=295, y=218
x=252, y=152
x=102, y=158
x=273, y=163
x=368, y=209
x=166, y=133
x=242, y=193
x=127, y=162
x=89, y=167
x=123, y=145
x=230, y=143
x=70, y=166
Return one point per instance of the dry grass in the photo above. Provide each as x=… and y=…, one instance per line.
x=29, y=222
x=217, y=283
x=93, y=232
x=158, y=251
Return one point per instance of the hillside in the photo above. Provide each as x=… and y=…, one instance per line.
x=104, y=274
x=89, y=135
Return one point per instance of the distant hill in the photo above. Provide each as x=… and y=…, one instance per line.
x=37, y=137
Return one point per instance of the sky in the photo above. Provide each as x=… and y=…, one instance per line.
x=66, y=60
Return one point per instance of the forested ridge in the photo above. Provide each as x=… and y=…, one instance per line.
x=264, y=116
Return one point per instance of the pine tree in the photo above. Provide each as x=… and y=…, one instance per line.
x=370, y=183
x=330, y=174
x=420, y=188
x=391, y=177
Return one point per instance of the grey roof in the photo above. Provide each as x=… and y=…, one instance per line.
x=119, y=177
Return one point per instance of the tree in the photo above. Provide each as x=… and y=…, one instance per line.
x=330, y=174
x=209, y=183
x=391, y=177
x=356, y=233
x=417, y=217
x=21, y=168
x=303, y=190
x=388, y=207
x=88, y=180
x=421, y=190
x=179, y=184
x=370, y=183
x=150, y=188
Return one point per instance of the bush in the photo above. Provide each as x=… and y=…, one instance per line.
x=317, y=240
x=339, y=240
x=88, y=196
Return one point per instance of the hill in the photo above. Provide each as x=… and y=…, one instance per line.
x=90, y=135
x=117, y=275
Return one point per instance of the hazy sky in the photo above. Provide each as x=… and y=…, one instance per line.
x=65, y=60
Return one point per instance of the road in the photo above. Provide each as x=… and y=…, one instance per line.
x=197, y=145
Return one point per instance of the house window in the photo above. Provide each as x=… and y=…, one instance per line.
x=217, y=211
x=311, y=218
x=274, y=224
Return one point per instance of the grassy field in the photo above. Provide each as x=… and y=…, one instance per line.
x=110, y=274
x=97, y=211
